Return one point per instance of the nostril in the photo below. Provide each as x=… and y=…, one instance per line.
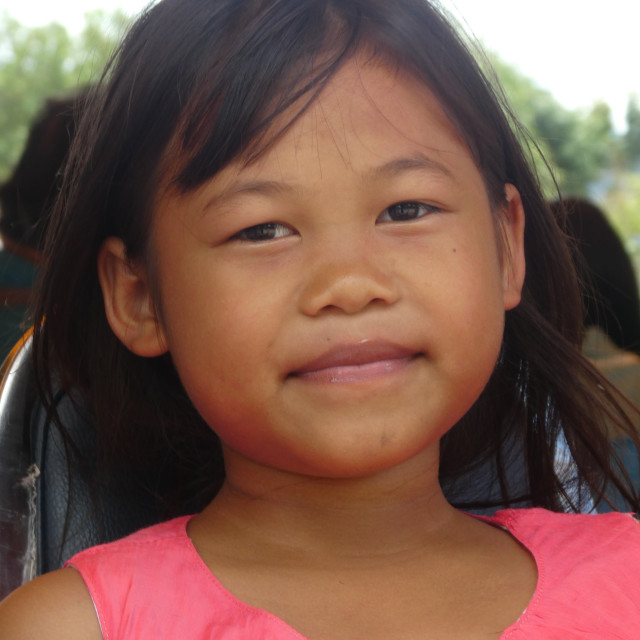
x=348, y=293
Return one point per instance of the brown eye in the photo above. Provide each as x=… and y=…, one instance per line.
x=406, y=211
x=263, y=232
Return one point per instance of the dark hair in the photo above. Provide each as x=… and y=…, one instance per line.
x=611, y=299
x=27, y=197
x=199, y=83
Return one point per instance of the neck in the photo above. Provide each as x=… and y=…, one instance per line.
x=393, y=511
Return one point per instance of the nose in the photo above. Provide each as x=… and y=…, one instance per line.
x=347, y=277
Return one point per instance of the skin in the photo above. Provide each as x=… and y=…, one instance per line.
x=332, y=310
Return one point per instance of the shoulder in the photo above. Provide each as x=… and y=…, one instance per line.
x=588, y=572
x=54, y=606
x=133, y=562
x=62, y=604
x=605, y=544
x=574, y=528
x=137, y=547
x=131, y=579
x=540, y=521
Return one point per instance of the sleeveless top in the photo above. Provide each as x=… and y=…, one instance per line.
x=153, y=584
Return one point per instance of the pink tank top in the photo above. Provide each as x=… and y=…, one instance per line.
x=154, y=585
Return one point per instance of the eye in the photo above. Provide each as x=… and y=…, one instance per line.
x=406, y=211
x=263, y=232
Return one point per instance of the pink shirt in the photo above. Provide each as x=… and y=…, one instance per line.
x=154, y=585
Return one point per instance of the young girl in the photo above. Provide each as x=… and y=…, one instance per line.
x=300, y=224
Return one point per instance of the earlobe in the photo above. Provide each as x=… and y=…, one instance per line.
x=513, y=267
x=128, y=302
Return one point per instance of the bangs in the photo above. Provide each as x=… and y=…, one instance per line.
x=200, y=84
x=263, y=60
x=236, y=111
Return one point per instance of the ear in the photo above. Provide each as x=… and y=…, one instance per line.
x=128, y=302
x=513, y=260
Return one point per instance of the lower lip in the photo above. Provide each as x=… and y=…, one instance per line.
x=353, y=374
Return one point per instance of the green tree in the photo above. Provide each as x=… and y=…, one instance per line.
x=42, y=62
x=632, y=136
x=622, y=205
x=578, y=146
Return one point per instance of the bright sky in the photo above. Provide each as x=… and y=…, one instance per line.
x=581, y=51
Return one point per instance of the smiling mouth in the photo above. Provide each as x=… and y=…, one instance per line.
x=354, y=364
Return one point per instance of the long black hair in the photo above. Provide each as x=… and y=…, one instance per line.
x=197, y=84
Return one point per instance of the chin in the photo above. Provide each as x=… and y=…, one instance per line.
x=353, y=463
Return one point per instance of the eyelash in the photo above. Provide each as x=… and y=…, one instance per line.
x=263, y=232
x=276, y=230
x=416, y=206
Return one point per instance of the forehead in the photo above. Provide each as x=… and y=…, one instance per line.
x=370, y=117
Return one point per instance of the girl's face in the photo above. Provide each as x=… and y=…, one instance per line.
x=335, y=307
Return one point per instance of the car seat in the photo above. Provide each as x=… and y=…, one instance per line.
x=46, y=513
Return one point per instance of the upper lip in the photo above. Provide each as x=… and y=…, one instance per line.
x=344, y=355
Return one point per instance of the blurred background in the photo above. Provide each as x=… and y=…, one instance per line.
x=569, y=69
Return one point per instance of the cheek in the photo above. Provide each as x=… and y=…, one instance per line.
x=466, y=301
x=207, y=335
x=218, y=335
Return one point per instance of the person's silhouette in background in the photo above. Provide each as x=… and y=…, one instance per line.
x=26, y=199
x=612, y=308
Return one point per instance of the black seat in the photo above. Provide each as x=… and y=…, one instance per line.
x=17, y=474
x=45, y=515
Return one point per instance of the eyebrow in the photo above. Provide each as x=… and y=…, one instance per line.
x=417, y=162
x=259, y=187
x=391, y=169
